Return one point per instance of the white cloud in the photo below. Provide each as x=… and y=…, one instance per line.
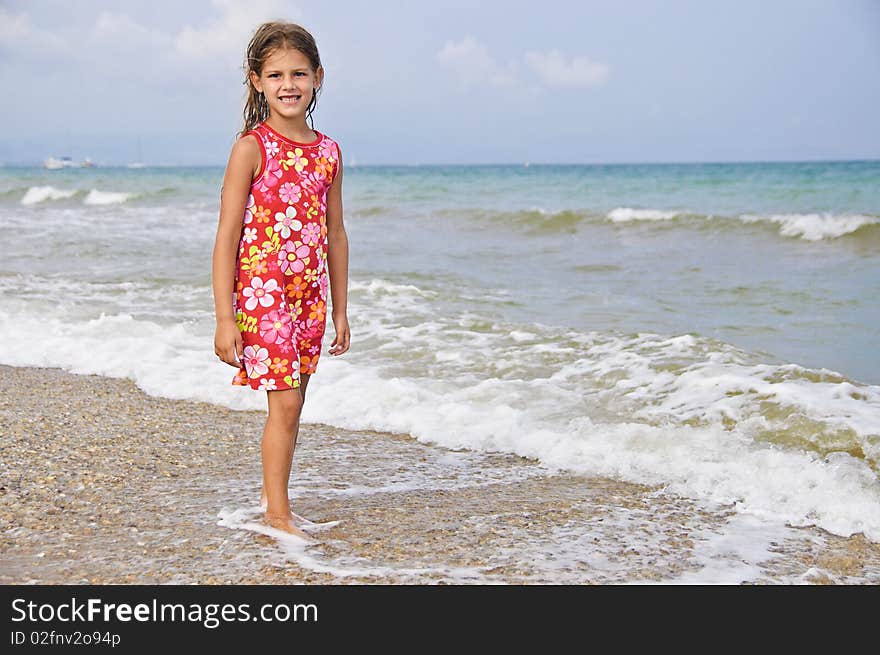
x=556, y=71
x=228, y=35
x=471, y=61
x=16, y=32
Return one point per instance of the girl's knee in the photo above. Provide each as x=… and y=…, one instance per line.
x=285, y=405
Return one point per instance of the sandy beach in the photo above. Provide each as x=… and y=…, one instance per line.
x=101, y=483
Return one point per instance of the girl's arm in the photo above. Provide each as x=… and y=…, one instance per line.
x=244, y=162
x=337, y=263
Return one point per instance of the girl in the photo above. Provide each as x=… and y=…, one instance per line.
x=280, y=233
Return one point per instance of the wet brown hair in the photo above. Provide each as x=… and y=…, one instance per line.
x=268, y=38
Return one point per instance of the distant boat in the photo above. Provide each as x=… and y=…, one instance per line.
x=526, y=164
x=139, y=163
x=53, y=163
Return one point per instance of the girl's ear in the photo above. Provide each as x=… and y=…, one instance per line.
x=319, y=76
x=255, y=80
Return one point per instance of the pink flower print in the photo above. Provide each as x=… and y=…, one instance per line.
x=315, y=179
x=249, y=209
x=250, y=233
x=256, y=361
x=268, y=384
x=327, y=150
x=307, y=182
x=276, y=326
x=322, y=287
x=314, y=349
x=284, y=347
x=312, y=327
x=259, y=293
x=311, y=233
x=271, y=147
x=286, y=222
x=290, y=193
x=293, y=257
x=272, y=175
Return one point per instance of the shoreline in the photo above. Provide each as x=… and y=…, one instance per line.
x=102, y=484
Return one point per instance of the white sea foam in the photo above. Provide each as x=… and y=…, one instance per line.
x=309, y=555
x=38, y=194
x=96, y=197
x=813, y=227
x=681, y=411
x=627, y=214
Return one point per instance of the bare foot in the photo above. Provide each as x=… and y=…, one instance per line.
x=296, y=518
x=287, y=524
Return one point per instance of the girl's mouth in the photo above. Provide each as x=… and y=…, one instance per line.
x=289, y=100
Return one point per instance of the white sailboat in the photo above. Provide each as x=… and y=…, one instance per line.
x=140, y=158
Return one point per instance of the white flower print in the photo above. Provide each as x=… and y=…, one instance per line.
x=287, y=222
x=256, y=361
x=250, y=233
x=259, y=293
x=268, y=384
x=271, y=147
x=249, y=209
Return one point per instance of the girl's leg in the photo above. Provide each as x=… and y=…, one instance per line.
x=303, y=384
x=279, y=440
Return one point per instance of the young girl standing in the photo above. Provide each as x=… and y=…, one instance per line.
x=280, y=233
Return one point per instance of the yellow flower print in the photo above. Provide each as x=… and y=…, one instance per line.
x=310, y=275
x=295, y=159
x=296, y=309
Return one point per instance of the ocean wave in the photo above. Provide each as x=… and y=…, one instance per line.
x=96, y=197
x=35, y=195
x=627, y=215
x=38, y=194
x=808, y=227
x=814, y=227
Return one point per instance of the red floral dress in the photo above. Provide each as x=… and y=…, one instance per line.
x=280, y=296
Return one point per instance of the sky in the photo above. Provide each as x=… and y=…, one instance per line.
x=443, y=82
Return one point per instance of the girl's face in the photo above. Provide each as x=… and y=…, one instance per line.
x=288, y=82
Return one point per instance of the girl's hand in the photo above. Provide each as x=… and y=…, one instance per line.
x=227, y=343
x=343, y=336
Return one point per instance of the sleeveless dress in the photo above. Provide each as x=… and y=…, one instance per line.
x=280, y=293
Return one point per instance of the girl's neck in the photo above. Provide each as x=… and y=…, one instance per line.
x=297, y=131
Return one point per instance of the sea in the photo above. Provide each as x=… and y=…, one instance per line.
x=711, y=328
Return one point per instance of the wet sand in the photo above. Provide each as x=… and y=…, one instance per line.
x=100, y=483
